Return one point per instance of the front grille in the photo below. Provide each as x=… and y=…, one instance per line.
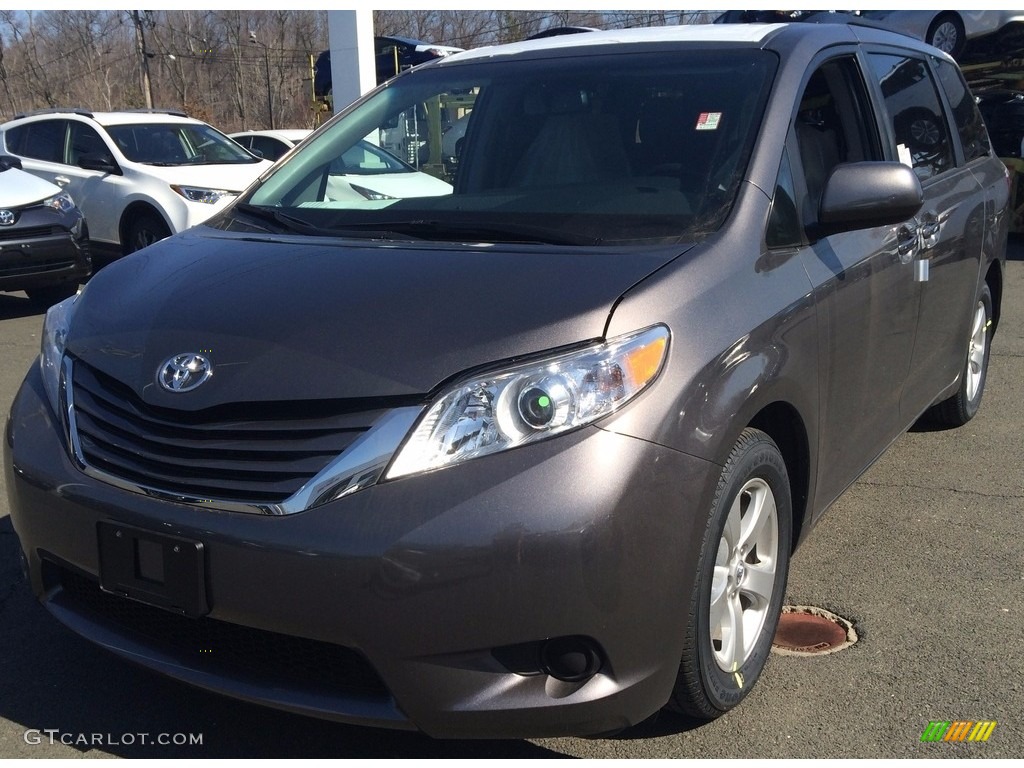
x=229, y=650
x=241, y=452
x=30, y=233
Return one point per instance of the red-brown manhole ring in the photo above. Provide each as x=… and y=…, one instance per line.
x=805, y=630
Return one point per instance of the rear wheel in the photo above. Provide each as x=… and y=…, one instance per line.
x=741, y=581
x=962, y=406
x=145, y=229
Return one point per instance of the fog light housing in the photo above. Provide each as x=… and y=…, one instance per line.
x=570, y=659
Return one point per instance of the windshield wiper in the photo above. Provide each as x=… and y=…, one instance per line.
x=485, y=231
x=283, y=220
x=294, y=224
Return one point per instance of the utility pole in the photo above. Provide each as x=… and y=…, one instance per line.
x=140, y=47
x=266, y=61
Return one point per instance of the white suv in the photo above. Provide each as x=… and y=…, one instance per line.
x=138, y=176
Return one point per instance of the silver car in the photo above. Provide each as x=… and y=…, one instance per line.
x=949, y=31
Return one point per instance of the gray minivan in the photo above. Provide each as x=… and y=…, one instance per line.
x=531, y=457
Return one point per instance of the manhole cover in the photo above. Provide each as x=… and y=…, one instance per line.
x=808, y=631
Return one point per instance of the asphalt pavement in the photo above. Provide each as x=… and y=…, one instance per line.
x=921, y=553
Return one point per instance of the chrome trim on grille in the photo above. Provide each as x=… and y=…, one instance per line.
x=359, y=467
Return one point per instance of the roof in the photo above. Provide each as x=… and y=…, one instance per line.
x=130, y=117
x=714, y=33
x=124, y=117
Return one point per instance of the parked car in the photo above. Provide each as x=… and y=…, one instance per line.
x=270, y=145
x=392, y=56
x=529, y=458
x=1004, y=116
x=949, y=31
x=42, y=237
x=367, y=172
x=138, y=176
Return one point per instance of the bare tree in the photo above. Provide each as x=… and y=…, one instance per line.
x=205, y=63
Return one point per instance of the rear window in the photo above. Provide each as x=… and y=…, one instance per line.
x=590, y=149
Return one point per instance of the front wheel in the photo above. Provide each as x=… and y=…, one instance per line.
x=947, y=34
x=741, y=580
x=963, y=405
x=144, y=230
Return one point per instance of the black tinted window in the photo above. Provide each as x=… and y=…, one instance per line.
x=85, y=141
x=968, y=120
x=40, y=141
x=271, y=149
x=784, y=222
x=922, y=136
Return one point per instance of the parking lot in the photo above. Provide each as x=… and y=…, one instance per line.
x=921, y=553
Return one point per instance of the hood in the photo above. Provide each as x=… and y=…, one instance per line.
x=19, y=188
x=311, y=318
x=234, y=177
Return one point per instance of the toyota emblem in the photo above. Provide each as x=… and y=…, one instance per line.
x=6, y=218
x=183, y=373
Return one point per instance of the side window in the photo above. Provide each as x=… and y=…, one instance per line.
x=271, y=148
x=783, y=222
x=85, y=141
x=43, y=140
x=834, y=124
x=969, y=123
x=912, y=101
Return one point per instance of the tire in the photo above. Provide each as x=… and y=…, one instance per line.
x=957, y=410
x=947, y=34
x=716, y=672
x=144, y=230
x=51, y=294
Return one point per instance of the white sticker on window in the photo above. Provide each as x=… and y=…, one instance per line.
x=903, y=151
x=708, y=121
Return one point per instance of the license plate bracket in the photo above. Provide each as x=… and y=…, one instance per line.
x=154, y=568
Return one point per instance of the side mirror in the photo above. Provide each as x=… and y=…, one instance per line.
x=868, y=194
x=98, y=161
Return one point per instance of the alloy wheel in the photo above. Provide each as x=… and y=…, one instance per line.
x=977, y=351
x=744, y=576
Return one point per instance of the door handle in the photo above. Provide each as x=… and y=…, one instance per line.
x=908, y=241
x=61, y=181
x=930, y=229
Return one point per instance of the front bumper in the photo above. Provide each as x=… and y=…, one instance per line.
x=40, y=257
x=437, y=590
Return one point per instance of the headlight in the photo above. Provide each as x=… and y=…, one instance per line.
x=61, y=203
x=527, y=403
x=55, y=334
x=370, y=194
x=201, y=194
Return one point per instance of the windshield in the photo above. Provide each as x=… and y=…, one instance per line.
x=177, y=144
x=603, y=148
